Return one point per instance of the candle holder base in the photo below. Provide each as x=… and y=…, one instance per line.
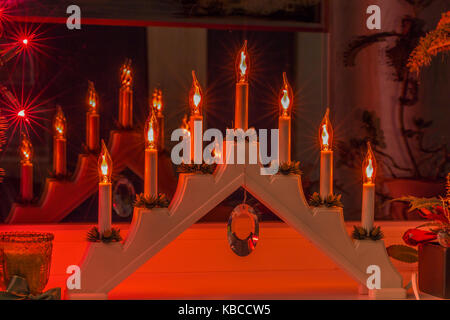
x=104, y=267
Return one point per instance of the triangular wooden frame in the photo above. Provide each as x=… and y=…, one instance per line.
x=104, y=266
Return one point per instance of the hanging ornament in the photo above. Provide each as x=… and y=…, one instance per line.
x=243, y=230
x=123, y=197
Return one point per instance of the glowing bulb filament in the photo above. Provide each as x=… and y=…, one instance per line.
x=104, y=168
x=325, y=137
x=369, y=170
x=285, y=102
x=197, y=97
x=243, y=65
x=151, y=135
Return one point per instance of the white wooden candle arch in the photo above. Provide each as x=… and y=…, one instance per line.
x=105, y=266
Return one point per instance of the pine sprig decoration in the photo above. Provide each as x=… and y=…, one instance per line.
x=288, y=168
x=108, y=236
x=431, y=44
x=360, y=233
x=203, y=168
x=331, y=201
x=420, y=203
x=150, y=202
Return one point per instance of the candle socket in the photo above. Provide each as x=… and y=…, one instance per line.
x=151, y=173
x=241, y=107
x=196, y=138
x=368, y=206
x=104, y=207
x=59, y=156
x=26, y=186
x=93, y=131
x=284, y=139
x=326, y=173
x=126, y=107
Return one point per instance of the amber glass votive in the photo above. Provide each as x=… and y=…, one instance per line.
x=28, y=255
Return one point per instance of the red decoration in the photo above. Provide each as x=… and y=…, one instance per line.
x=414, y=237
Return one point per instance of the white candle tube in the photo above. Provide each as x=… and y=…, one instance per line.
x=59, y=156
x=26, y=183
x=93, y=131
x=126, y=107
x=368, y=206
x=196, y=138
x=151, y=172
x=104, y=206
x=326, y=173
x=241, y=107
x=284, y=139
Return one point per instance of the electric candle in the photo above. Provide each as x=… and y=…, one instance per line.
x=368, y=202
x=241, y=107
x=151, y=156
x=104, y=190
x=126, y=96
x=326, y=156
x=157, y=104
x=26, y=168
x=92, y=119
x=59, y=143
x=285, y=100
x=196, y=102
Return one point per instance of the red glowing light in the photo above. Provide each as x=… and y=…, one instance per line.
x=21, y=113
x=25, y=41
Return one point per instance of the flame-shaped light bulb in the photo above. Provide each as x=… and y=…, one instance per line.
x=369, y=165
x=26, y=149
x=195, y=96
x=126, y=75
x=151, y=131
x=59, y=123
x=105, y=165
x=286, y=98
x=326, y=133
x=242, y=64
x=92, y=98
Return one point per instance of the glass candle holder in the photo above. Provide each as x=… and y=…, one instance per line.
x=27, y=255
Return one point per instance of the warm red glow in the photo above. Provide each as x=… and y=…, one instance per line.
x=126, y=75
x=151, y=131
x=25, y=41
x=104, y=165
x=59, y=123
x=286, y=98
x=92, y=98
x=25, y=149
x=185, y=125
x=326, y=133
x=195, y=96
x=369, y=165
x=242, y=64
